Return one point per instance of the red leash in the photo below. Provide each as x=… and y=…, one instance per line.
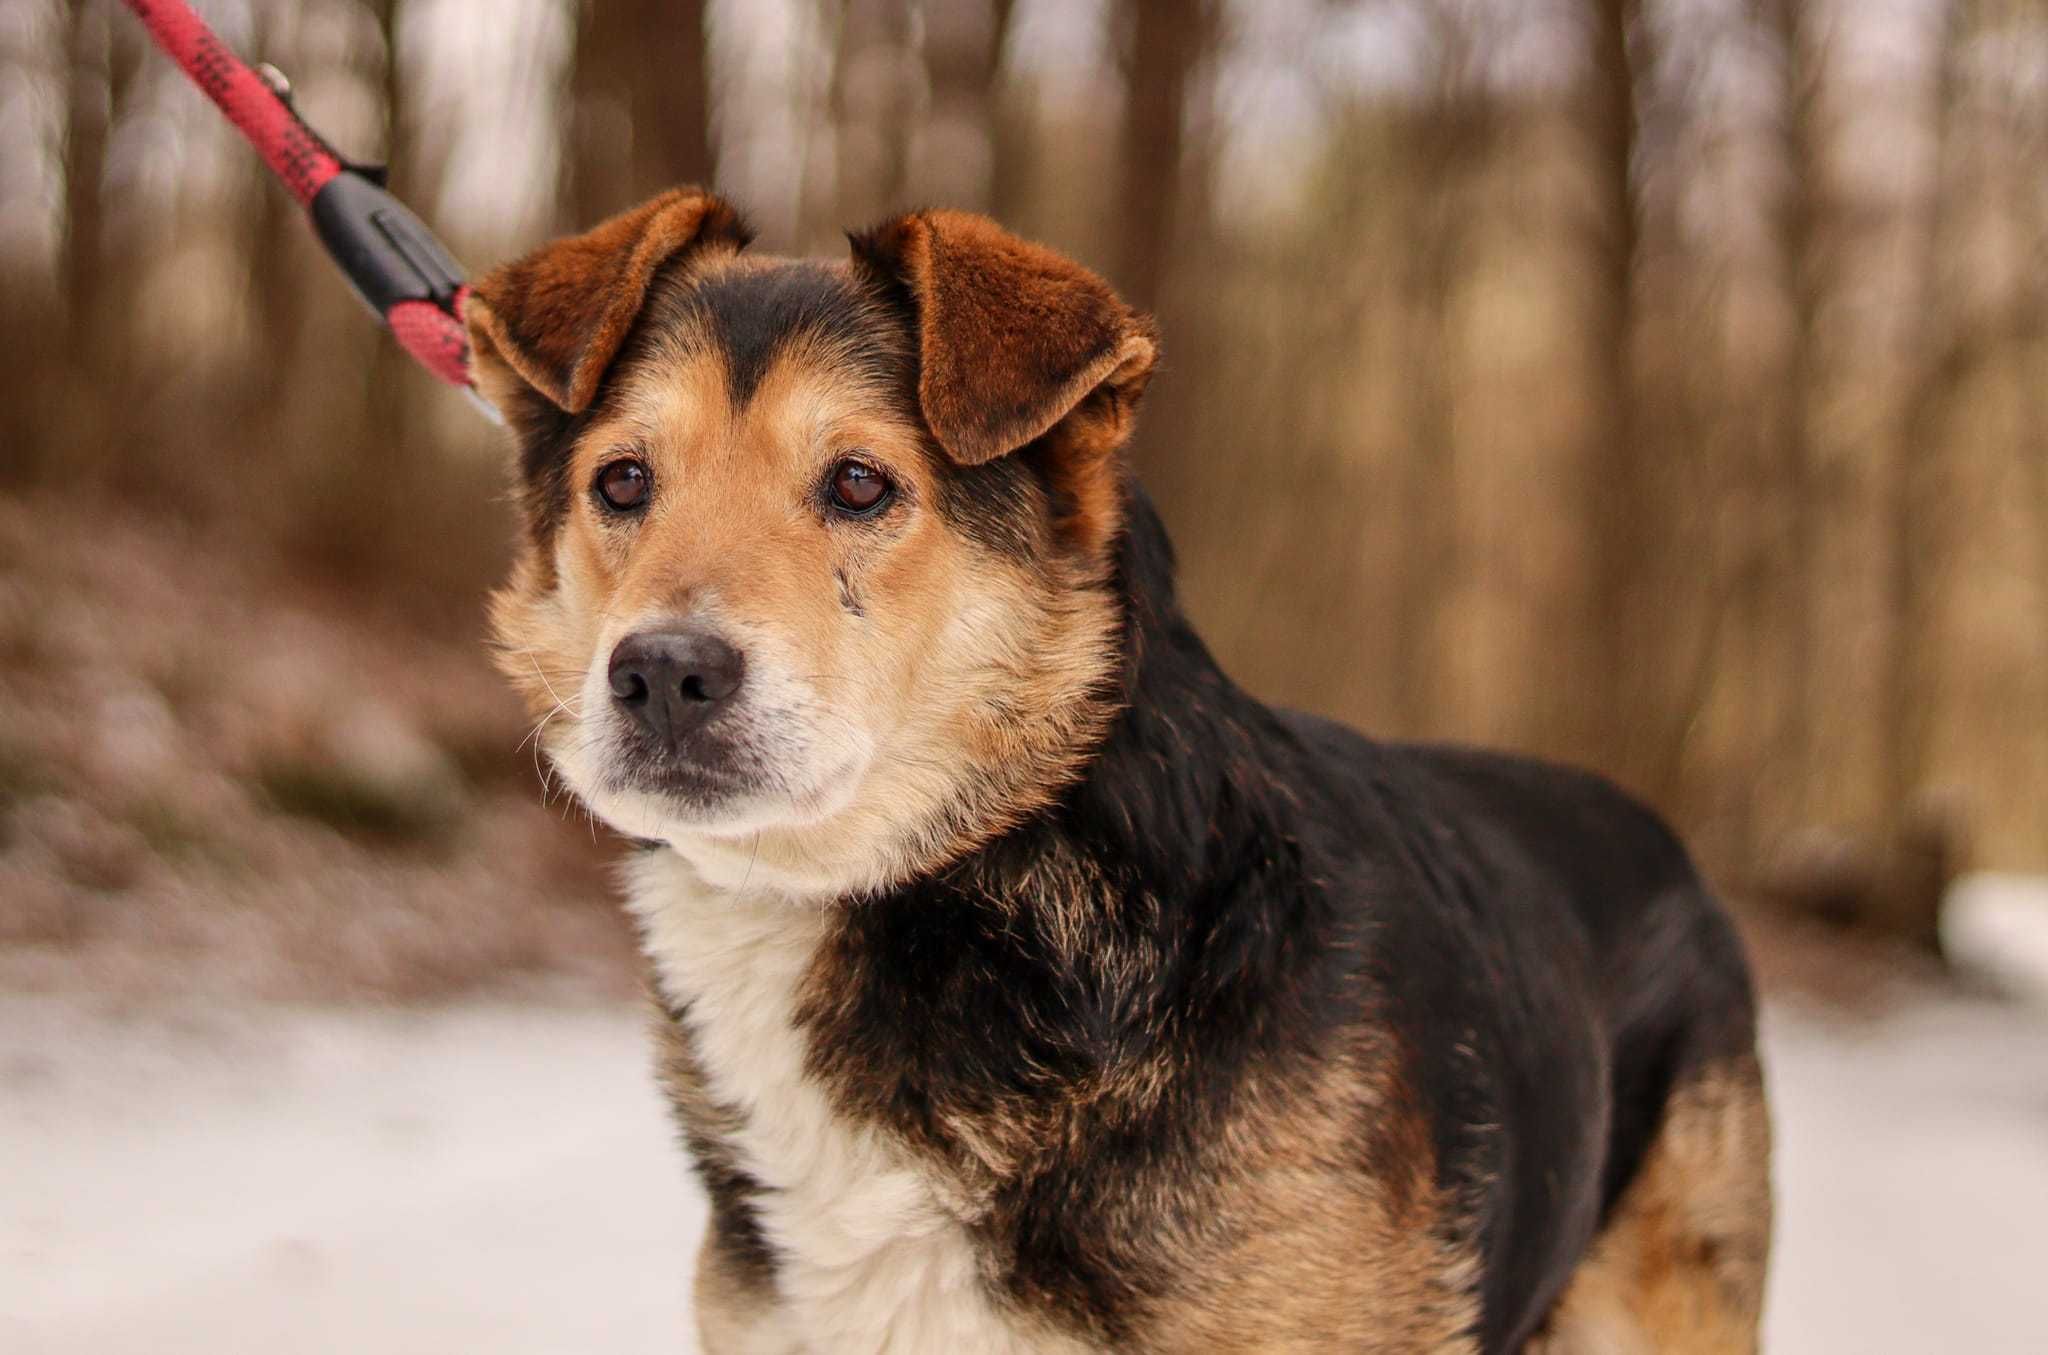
x=391, y=259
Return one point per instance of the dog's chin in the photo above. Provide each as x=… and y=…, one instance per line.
x=678, y=802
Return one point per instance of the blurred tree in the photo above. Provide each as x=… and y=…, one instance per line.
x=1967, y=681
x=641, y=113
x=1162, y=42
x=1805, y=251
x=960, y=156
x=1933, y=369
x=1011, y=128
x=88, y=120
x=277, y=250
x=1617, y=507
x=875, y=89
x=1447, y=146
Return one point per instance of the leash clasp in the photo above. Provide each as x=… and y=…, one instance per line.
x=388, y=254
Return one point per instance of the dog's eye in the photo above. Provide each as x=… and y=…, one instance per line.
x=858, y=488
x=624, y=485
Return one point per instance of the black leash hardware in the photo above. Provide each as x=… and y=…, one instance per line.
x=387, y=253
x=391, y=260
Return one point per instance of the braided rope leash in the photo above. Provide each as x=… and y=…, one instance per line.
x=394, y=263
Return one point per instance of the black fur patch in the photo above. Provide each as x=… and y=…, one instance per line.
x=734, y=1222
x=754, y=313
x=1003, y=506
x=547, y=442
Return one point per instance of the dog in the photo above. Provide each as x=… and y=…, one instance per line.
x=1023, y=984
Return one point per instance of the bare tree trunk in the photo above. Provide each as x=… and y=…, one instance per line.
x=29, y=300
x=875, y=80
x=88, y=120
x=390, y=373
x=1164, y=42
x=1616, y=500
x=1793, y=754
x=671, y=102
x=2034, y=452
x=1452, y=138
x=1011, y=133
x=955, y=154
x=640, y=113
x=1941, y=362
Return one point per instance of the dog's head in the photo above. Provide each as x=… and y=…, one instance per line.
x=817, y=584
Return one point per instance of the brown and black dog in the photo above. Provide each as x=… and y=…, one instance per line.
x=1024, y=984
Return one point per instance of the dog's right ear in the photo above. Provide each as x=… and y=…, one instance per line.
x=1011, y=336
x=1018, y=346
x=553, y=321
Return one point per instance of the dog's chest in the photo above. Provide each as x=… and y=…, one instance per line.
x=869, y=1257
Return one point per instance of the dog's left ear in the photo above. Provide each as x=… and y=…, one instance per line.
x=553, y=321
x=1011, y=337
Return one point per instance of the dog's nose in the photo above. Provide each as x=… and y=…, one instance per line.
x=673, y=681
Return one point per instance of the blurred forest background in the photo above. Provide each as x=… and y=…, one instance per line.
x=1654, y=384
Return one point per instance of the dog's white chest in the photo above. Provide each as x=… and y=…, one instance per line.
x=871, y=1259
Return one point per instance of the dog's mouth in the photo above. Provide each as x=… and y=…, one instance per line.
x=740, y=774
x=701, y=773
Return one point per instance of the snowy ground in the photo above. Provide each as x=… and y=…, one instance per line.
x=500, y=1177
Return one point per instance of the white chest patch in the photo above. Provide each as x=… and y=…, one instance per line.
x=871, y=1259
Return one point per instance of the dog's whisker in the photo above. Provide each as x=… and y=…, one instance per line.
x=537, y=672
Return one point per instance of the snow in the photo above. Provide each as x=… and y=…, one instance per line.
x=1997, y=926
x=1912, y=1176
x=492, y=1178
x=502, y=1176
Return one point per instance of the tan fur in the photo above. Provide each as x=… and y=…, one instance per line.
x=1679, y=1270
x=1317, y=1264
